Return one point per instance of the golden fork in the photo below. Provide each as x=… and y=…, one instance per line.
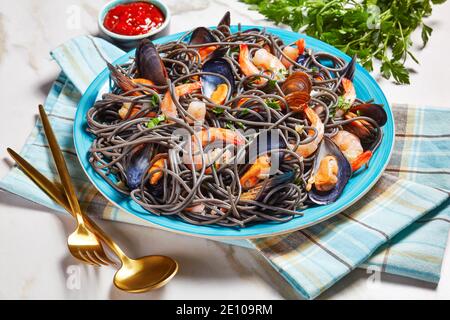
x=83, y=243
x=58, y=195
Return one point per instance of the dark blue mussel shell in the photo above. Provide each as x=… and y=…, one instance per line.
x=276, y=181
x=149, y=64
x=326, y=148
x=210, y=82
x=349, y=70
x=137, y=164
x=202, y=35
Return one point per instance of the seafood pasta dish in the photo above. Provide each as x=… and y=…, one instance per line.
x=232, y=128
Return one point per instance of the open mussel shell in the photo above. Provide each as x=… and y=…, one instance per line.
x=329, y=148
x=149, y=64
x=371, y=110
x=297, y=81
x=210, y=82
x=137, y=163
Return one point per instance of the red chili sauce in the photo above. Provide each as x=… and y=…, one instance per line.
x=133, y=18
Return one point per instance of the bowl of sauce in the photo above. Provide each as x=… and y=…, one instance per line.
x=127, y=21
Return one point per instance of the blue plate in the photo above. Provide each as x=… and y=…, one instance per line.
x=366, y=88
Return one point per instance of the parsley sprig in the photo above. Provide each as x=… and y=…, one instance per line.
x=371, y=29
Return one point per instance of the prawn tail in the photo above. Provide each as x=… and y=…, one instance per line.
x=361, y=160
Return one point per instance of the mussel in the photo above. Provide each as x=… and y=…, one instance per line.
x=211, y=84
x=202, y=35
x=330, y=173
x=349, y=70
x=137, y=163
x=225, y=21
x=256, y=194
x=371, y=110
x=365, y=130
x=149, y=64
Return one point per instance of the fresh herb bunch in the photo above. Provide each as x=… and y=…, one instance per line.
x=369, y=28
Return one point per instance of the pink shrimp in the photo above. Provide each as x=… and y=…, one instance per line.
x=168, y=107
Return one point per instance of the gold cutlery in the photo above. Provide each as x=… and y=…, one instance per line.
x=137, y=275
x=56, y=194
x=134, y=275
x=83, y=243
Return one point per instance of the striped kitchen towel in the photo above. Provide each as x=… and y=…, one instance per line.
x=400, y=226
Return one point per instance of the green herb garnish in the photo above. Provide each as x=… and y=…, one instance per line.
x=155, y=121
x=370, y=29
x=271, y=84
x=218, y=110
x=154, y=100
x=273, y=104
x=245, y=111
x=230, y=125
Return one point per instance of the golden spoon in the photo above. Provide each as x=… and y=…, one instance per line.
x=134, y=275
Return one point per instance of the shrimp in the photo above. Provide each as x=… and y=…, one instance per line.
x=123, y=111
x=349, y=91
x=168, y=107
x=227, y=136
x=351, y=147
x=208, y=136
x=293, y=53
x=197, y=208
x=268, y=61
x=204, y=52
x=258, y=171
x=197, y=109
x=305, y=150
x=155, y=169
x=216, y=158
x=247, y=66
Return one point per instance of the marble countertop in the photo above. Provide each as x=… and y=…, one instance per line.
x=35, y=263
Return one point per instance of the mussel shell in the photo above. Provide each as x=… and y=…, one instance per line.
x=326, y=148
x=157, y=190
x=265, y=142
x=226, y=20
x=251, y=30
x=136, y=165
x=149, y=64
x=349, y=70
x=202, y=35
x=371, y=110
x=210, y=82
x=297, y=81
x=276, y=181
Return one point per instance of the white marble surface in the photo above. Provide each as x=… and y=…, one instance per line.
x=34, y=261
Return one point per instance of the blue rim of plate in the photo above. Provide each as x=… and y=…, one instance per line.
x=366, y=88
